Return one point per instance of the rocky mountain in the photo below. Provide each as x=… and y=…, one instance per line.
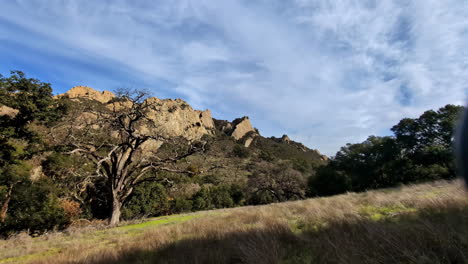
x=235, y=144
x=177, y=118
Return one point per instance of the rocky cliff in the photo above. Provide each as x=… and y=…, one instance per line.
x=89, y=93
x=172, y=118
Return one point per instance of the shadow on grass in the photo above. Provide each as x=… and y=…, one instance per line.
x=431, y=235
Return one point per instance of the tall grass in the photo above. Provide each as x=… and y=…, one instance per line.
x=426, y=223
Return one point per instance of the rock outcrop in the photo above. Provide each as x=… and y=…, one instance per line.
x=285, y=138
x=206, y=119
x=175, y=118
x=240, y=129
x=172, y=118
x=89, y=93
x=8, y=111
x=242, y=126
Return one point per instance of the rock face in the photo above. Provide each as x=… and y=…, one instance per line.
x=89, y=93
x=206, y=118
x=175, y=118
x=242, y=126
x=248, y=141
x=240, y=129
x=8, y=111
x=172, y=118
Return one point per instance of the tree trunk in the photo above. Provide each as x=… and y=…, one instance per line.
x=116, y=206
x=3, y=211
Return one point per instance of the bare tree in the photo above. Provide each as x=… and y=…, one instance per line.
x=111, y=136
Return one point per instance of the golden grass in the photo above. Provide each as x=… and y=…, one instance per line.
x=426, y=223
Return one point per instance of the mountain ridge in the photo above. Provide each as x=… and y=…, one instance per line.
x=178, y=118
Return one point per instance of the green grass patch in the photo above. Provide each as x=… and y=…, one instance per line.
x=377, y=213
x=30, y=257
x=304, y=225
x=157, y=221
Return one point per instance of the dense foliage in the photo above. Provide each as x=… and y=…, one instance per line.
x=26, y=204
x=420, y=150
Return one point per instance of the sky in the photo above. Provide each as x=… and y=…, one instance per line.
x=324, y=72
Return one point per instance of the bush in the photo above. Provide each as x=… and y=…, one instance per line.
x=240, y=151
x=266, y=156
x=213, y=197
x=36, y=208
x=148, y=199
x=261, y=197
x=181, y=205
x=221, y=197
x=71, y=209
x=328, y=181
x=202, y=200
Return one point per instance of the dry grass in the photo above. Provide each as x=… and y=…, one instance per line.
x=425, y=223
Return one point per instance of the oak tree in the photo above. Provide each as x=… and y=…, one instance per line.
x=120, y=140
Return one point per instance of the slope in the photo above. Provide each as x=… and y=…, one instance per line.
x=426, y=223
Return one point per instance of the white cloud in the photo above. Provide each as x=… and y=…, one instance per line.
x=325, y=72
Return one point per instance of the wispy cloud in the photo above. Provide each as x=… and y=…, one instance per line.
x=325, y=72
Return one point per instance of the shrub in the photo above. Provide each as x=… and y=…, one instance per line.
x=240, y=151
x=148, y=199
x=202, y=199
x=221, y=197
x=181, y=205
x=266, y=156
x=328, y=181
x=71, y=208
x=34, y=207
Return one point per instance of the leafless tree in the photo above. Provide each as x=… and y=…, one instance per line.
x=110, y=136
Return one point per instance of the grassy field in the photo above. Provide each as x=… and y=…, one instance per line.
x=426, y=223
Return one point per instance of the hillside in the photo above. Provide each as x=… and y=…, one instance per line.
x=425, y=223
x=122, y=155
x=235, y=152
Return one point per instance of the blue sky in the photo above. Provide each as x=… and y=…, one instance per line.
x=324, y=72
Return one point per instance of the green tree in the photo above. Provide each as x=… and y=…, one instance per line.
x=432, y=128
x=25, y=103
x=275, y=183
x=427, y=142
x=36, y=208
x=328, y=181
x=421, y=150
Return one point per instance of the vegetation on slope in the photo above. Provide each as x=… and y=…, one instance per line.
x=426, y=223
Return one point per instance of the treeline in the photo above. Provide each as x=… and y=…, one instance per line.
x=57, y=167
x=420, y=149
